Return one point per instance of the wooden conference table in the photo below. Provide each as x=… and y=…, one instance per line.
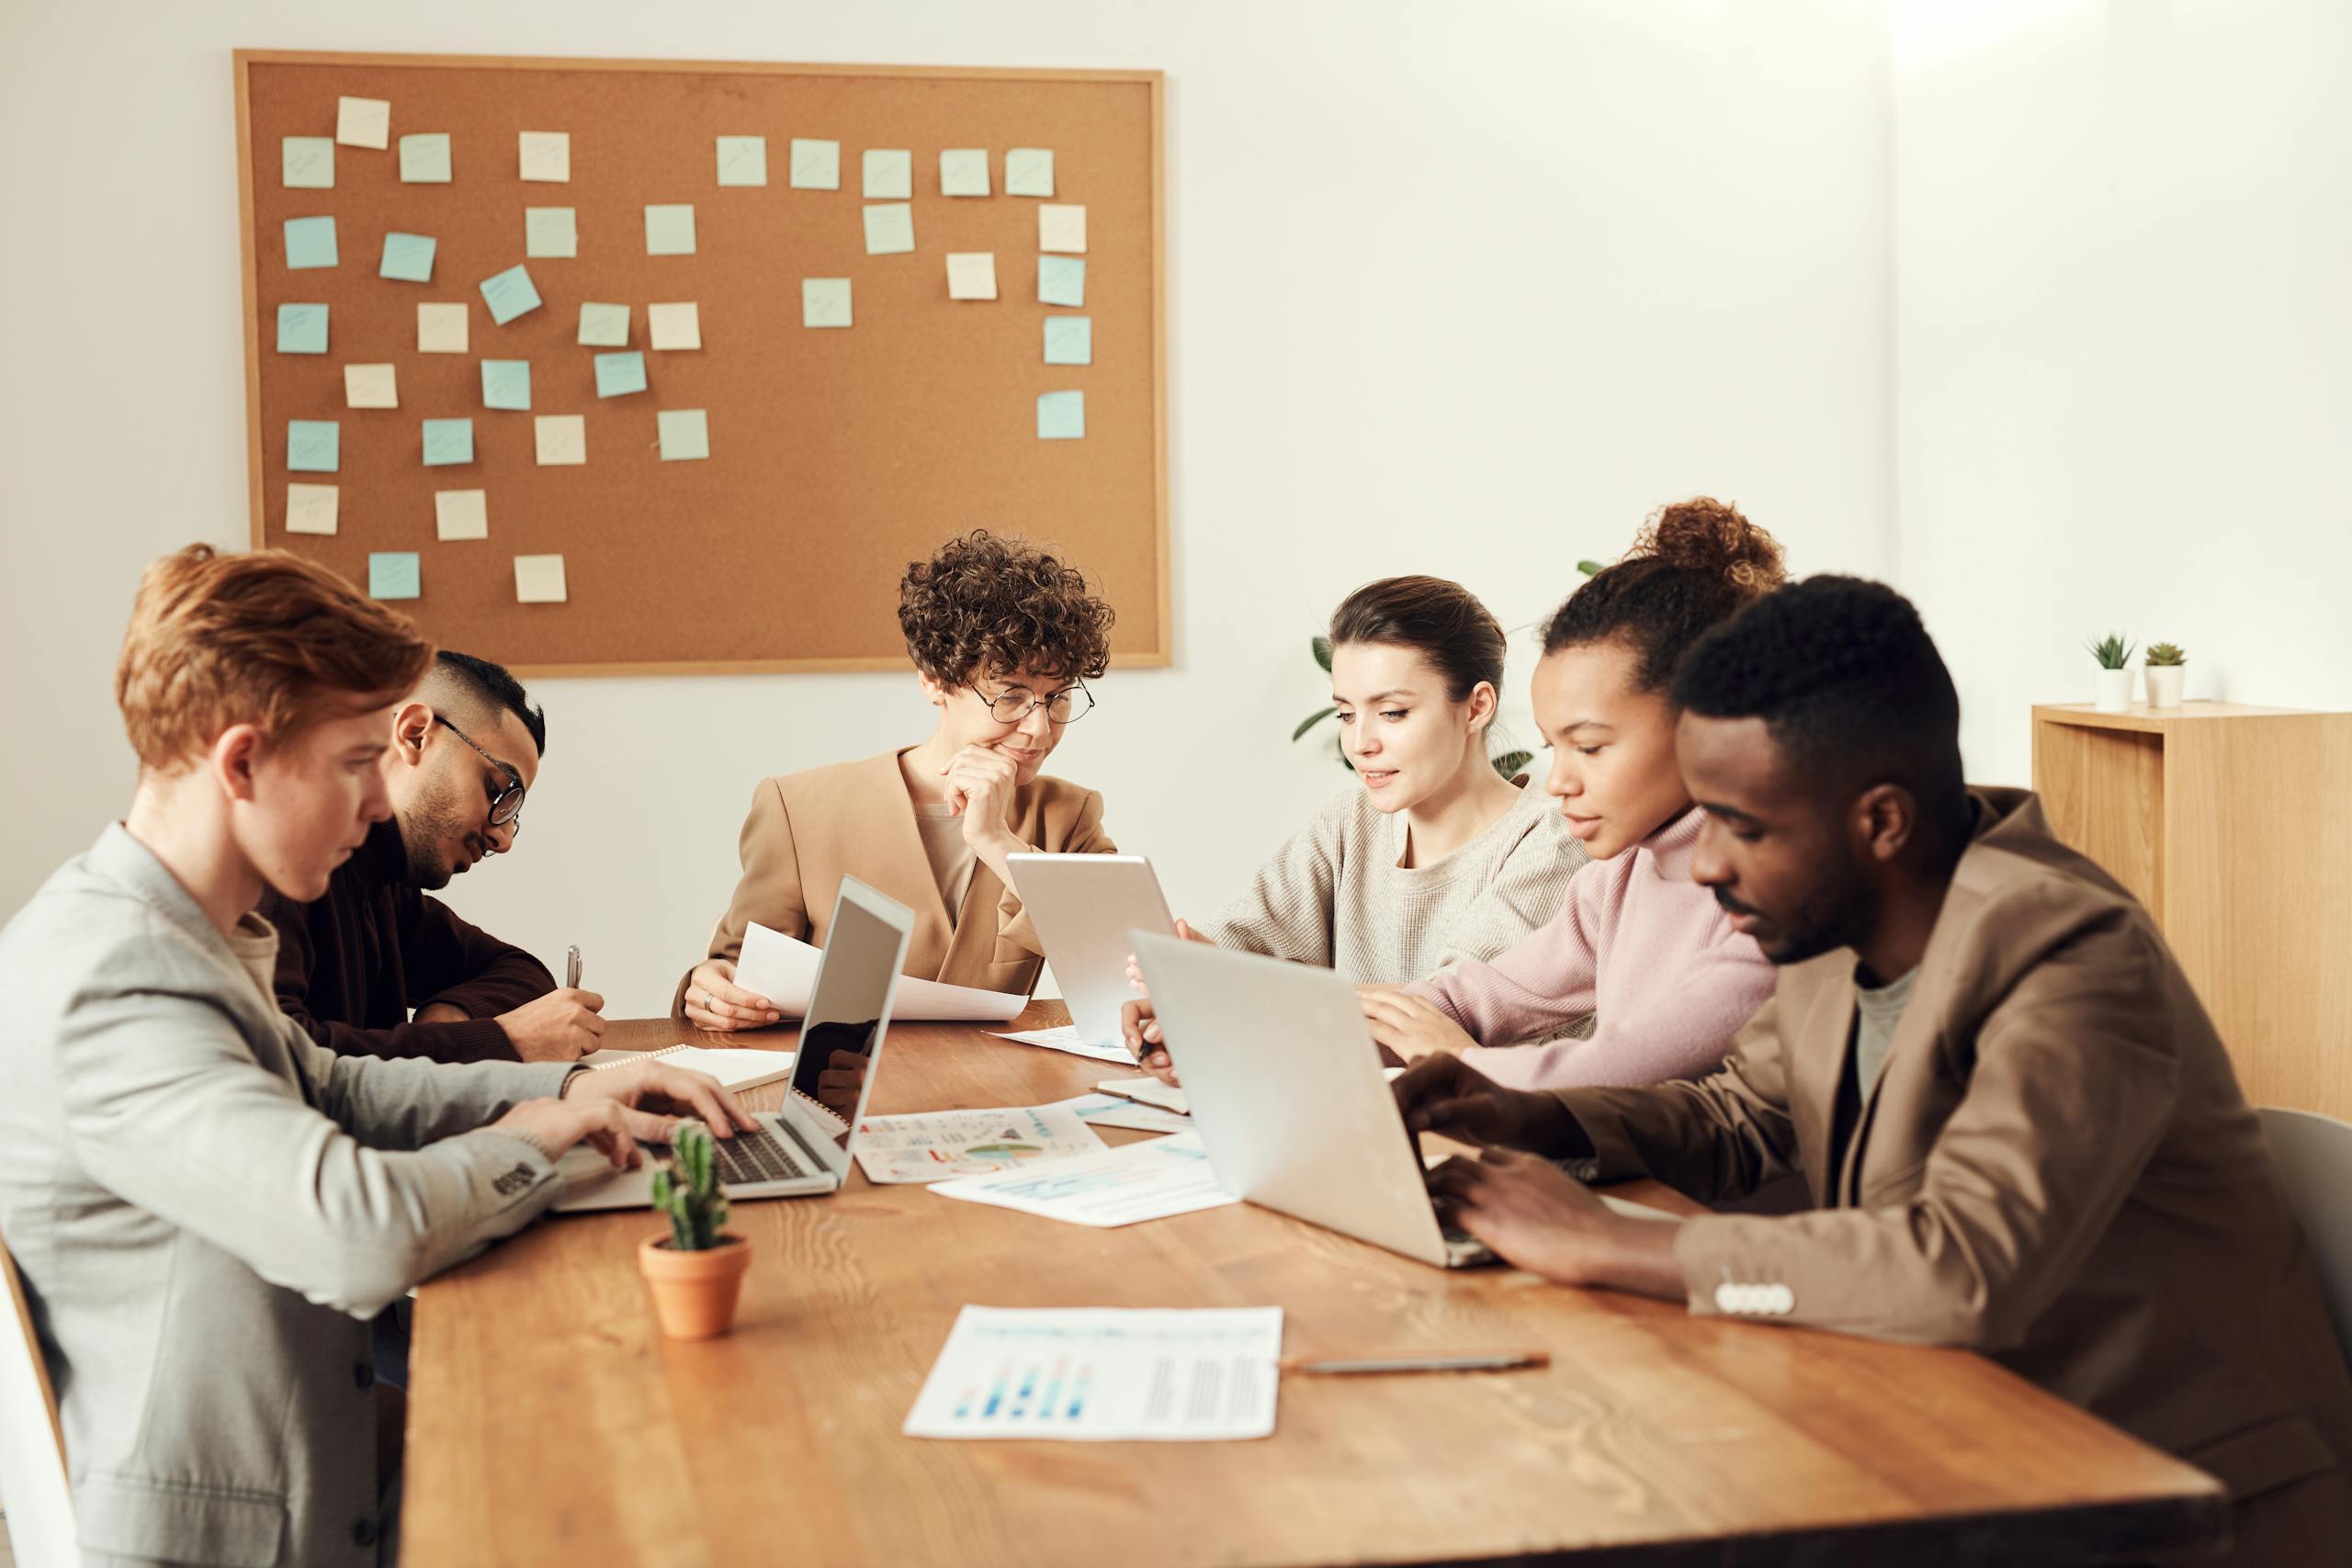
x=550, y=1422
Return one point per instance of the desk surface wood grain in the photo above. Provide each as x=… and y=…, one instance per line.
x=552, y=1423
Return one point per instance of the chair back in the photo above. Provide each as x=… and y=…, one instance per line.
x=2314, y=1156
x=34, y=1488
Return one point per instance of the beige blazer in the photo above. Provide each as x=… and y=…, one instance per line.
x=2055, y=1167
x=807, y=830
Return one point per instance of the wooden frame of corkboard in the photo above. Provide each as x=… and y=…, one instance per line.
x=836, y=456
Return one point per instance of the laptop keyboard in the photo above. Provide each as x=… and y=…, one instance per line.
x=756, y=1156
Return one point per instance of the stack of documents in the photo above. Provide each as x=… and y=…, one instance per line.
x=735, y=1069
x=784, y=970
x=1148, y=1180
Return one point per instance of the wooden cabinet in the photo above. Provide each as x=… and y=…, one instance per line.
x=2234, y=826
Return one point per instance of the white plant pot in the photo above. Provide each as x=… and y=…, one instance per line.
x=2115, y=690
x=2164, y=682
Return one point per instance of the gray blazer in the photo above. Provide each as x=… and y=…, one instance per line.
x=206, y=1208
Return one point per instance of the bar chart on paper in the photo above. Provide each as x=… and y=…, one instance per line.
x=1104, y=1374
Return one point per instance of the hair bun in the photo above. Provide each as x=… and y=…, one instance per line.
x=1706, y=535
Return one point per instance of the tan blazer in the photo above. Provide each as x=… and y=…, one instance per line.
x=2055, y=1167
x=807, y=830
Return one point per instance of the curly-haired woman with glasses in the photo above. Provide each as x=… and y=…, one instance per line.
x=1004, y=638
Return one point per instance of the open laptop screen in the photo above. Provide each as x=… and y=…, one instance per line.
x=835, y=1068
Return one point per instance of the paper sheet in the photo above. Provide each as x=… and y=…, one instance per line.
x=742, y=160
x=1062, y=416
x=670, y=229
x=311, y=509
x=1069, y=340
x=1067, y=1038
x=538, y=579
x=370, y=386
x=561, y=440
x=364, y=122
x=816, y=165
x=506, y=383
x=310, y=242
x=964, y=171
x=684, y=435
x=302, y=329
x=1061, y=280
x=1062, y=229
x=393, y=574
x=306, y=163
x=971, y=274
x=603, y=326
x=1029, y=170
x=784, y=970
x=938, y=1143
x=1150, y=1180
x=510, y=294
x=425, y=158
x=441, y=329
x=1102, y=1111
x=545, y=156
x=461, y=515
x=735, y=1066
x=448, y=441
x=550, y=232
x=408, y=258
x=618, y=375
x=313, y=446
x=889, y=230
x=824, y=302
x=1104, y=1375
x=890, y=174
x=674, y=326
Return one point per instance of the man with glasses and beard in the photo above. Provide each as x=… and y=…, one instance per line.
x=465, y=747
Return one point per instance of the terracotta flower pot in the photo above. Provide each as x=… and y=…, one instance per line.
x=694, y=1292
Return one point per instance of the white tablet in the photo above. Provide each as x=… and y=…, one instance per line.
x=1084, y=908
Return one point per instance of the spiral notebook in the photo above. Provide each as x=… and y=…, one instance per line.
x=735, y=1069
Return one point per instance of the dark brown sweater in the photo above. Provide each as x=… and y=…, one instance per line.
x=352, y=964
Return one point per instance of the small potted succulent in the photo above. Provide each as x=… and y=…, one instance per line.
x=2167, y=672
x=697, y=1270
x=2114, y=656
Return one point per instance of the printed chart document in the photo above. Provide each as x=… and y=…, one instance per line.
x=936, y=1144
x=784, y=970
x=1104, y=1375
x=737, y=1069
x=1150, y=1180
x=1067, y=1038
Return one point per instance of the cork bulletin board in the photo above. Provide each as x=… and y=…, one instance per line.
x=836, y=454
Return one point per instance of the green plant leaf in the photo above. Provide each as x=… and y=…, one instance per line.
x=1510, y=763
x=1589, y=567
x=1311, y=720
x=1322, y=648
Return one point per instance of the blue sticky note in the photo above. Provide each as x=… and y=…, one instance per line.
x=670, y=231
x=424, y=160
x=302, y=329
x=313, y=446
x=448, y=441
x=510, y=295
x=1069, y=340
x=506, y=383
x=685, y=434
x=1061, y=280
x=394, y=574
x=1062, y=416
x=619, y=374
x=408, y=258
x=310, y=242
x=306, y=163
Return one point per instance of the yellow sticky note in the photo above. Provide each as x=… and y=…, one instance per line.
x=971, y=274
x=546, y=156
x=462, y=513
x=441, y=329
x=364, y=122
x=675, y=326
x=370, y=387
x=311, y=509
x=1062, y=229
x=538, y=579
x=563, y=440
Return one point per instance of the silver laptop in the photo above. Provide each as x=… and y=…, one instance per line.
x=1289, y=1098
x=803, y=1147
x=1084, y=908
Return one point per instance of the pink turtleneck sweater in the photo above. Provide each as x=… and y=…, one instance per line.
x=1636, y=941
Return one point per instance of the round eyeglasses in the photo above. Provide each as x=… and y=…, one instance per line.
x=506, y=797
x=1066, y=707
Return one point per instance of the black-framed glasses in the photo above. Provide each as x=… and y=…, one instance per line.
x=507, y=804
x=1066, y=707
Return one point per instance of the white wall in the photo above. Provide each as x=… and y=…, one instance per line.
x=1463, y=290
x=2124, y=345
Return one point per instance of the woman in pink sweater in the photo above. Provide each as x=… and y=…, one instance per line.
x=1636, y=942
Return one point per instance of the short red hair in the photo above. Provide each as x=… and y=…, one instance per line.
x=267, y=639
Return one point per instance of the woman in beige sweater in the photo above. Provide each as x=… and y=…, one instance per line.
x=1004, y=639
x=1430, y=856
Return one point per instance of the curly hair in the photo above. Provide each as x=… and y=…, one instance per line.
x=1697, y=563
x=986, y=606
x=1847, y=681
